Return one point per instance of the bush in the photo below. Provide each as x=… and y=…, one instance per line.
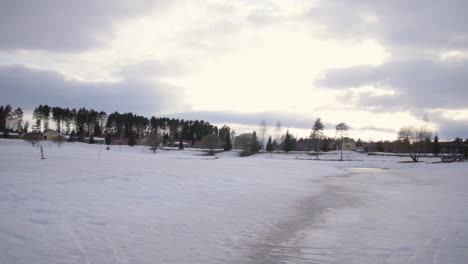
x=246, y=153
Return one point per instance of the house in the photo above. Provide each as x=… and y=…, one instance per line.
x=50, y=135
x=185, y=143
x=10, y=135
x=359, y=149
x=347, y=145
x=97, y=140
x=119, y=141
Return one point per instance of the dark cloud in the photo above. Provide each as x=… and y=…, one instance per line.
x=416, y=33
x=449, y=129
x=27, y=88
x=419, y=23
x=64, y=25
x=417, y=83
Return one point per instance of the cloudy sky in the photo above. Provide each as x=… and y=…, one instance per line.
x=376, y=65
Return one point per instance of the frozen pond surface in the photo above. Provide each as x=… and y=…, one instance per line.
x=84, y=204
x=375, y=215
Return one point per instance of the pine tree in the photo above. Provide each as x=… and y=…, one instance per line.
x=317, y=135
x=269, y=145
x=5, y=115
x=26, y=126
x=45, y=116
x=2, y=118
x=37, y=116
x=341, y=129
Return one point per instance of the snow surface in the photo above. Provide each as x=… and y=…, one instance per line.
x=86, y=204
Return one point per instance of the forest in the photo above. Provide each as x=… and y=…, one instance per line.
x=84, y=123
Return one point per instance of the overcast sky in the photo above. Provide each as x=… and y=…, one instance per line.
x=376, y=65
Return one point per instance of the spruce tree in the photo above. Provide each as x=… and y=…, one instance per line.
x=436, y=146
x=131, y=140
x=108, y=139
x=227, y=141
x=289, y=142
x=465, y=150
x=325, y=144
x=2, y=118
x=256, y=146
x=269, y=145
x=275, y=145
x=380, y=147
x=72, y=136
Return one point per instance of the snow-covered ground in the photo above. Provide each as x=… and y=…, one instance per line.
x=86, y=204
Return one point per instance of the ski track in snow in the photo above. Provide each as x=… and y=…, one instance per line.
x=127, y=205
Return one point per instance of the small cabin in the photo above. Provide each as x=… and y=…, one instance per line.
x=50, y=135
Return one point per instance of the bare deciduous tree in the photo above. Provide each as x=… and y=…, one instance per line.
x=416, y=139
x=59, y=140
x=263, y=129
x=278, y=131
x=243, y=141
x=32, y=138
x=153, y=140
x=211, y=142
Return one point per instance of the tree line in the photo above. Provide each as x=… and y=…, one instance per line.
x=82, y=123
x=88, y=123
x=11, y=119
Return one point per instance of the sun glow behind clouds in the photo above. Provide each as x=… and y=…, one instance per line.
x=236, y=65
x=277, y=73
x=233, y=62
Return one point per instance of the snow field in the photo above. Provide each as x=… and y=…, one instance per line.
x=85, y=204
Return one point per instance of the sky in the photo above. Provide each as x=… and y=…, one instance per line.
x=375, y=65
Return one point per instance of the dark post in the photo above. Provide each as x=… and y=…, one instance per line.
x=42, y=153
